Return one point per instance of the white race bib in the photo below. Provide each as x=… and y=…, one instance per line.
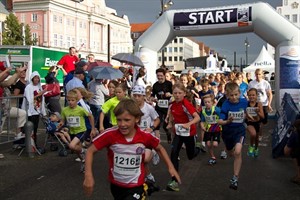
x=125, y=164
x=144, y=124
x=163, y=103
x=211, y=119
x=238, y=117
x=198, y=101
x=181, y=131
x=252, y=111
x=73, y=121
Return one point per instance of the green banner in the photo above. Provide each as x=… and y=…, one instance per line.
x=13, y=51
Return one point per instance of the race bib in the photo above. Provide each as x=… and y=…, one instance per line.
x=198, y=101
x=212, y=119
x=181, y=131
x=163, y=103
x=238, y=117
x=73, y=121
x=144, y=124
x=125, y=164
x=252, y=111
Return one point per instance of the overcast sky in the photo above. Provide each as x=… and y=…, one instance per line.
x=141, y=11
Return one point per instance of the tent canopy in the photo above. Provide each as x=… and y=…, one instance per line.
x=263, y=61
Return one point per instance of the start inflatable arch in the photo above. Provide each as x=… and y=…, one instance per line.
x=259, y=18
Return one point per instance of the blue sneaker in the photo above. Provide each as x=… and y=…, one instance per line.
x=233, y=183
x=212, y=161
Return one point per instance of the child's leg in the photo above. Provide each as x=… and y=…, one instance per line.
x=237, y=159
x=62, y=137
x=176, y=147
x=75, y=146
x=252, y=132
x=67, y=136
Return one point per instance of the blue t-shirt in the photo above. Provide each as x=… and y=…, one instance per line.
x=237, y=110
x=243, y=89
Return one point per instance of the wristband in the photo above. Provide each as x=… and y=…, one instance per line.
x=152, y=127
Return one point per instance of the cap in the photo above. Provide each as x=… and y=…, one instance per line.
x=214, y=83
x=57, y=114
x=80, y=64
x=79, y=70
x=138, y=89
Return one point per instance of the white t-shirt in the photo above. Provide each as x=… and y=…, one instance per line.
x=149, y=116
x=262, y=88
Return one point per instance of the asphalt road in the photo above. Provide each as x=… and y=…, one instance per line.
x=50, y=176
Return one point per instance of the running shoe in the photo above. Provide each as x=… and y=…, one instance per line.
x=223, y=154
x=212, y=161
x=152, y=187
x=233, y=183
x=173, y=186
x=82, y=154
x=256, y=151
x=250, y=151
x=155, y=159
x=202, y=148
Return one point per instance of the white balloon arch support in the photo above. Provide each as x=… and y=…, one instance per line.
x=259, y=18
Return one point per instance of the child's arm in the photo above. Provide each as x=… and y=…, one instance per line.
x=202, y=126
x=225, y=122
x=88, y=183
x=101, y=119
x=164, y=155
x=195, y=120
x=92, y=122
x=260, y=111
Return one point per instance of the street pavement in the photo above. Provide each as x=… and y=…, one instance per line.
x=50, y=176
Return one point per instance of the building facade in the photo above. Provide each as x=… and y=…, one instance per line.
x=89, y=26
x=176, y=52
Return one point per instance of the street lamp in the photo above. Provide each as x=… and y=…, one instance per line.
x=164, y=5
x=247, y=45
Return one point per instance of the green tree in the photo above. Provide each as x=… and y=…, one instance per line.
x=12, y=33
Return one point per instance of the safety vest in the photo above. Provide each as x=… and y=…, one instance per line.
x=211, y=121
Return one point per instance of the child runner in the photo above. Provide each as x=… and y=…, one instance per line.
x=149, y=121
x=255, y=113
x=183, y=121
x=126, y=145
x=74, y=116
x=232, y=119
x=205, y=90
x=209, y=124
x=109, y=106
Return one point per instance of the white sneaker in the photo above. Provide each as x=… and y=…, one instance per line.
x=78, y=160
x=155, y=159
x=223, y=154
x=20, y=136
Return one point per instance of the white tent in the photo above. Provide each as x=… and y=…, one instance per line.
x=263, y=61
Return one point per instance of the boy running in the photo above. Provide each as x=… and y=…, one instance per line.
x=232, y=119
x=126, y=145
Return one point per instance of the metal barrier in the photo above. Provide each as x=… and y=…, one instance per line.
x=10, y=116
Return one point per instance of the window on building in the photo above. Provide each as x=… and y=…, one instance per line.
x=286, y=2
x=295, y=18
x=287, y=16
x=180, y=58
x=175, y=59
x=175, y=49
x=55, y=40
x=68, y=41
x=175, y=40
x=80, y=24
x=23, y=17
x=181, y=49
x=34, y=36
x=54, y=18
x=181, y=40
x=170, y=49
x=159, y=58
x=68, y=21
x=34, y=17
x=73, y=22
x=170, y=58
x=60, y=19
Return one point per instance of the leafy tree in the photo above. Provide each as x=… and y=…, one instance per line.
x=12, y=33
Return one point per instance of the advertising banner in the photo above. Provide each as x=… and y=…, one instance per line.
x=219, y=18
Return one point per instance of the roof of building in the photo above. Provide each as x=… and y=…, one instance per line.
x=140, y=27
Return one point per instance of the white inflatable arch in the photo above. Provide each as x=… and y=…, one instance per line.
x=259, y=18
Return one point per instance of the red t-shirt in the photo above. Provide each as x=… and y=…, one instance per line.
x=126, y=158
x=68, y=62
x=183, y=113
